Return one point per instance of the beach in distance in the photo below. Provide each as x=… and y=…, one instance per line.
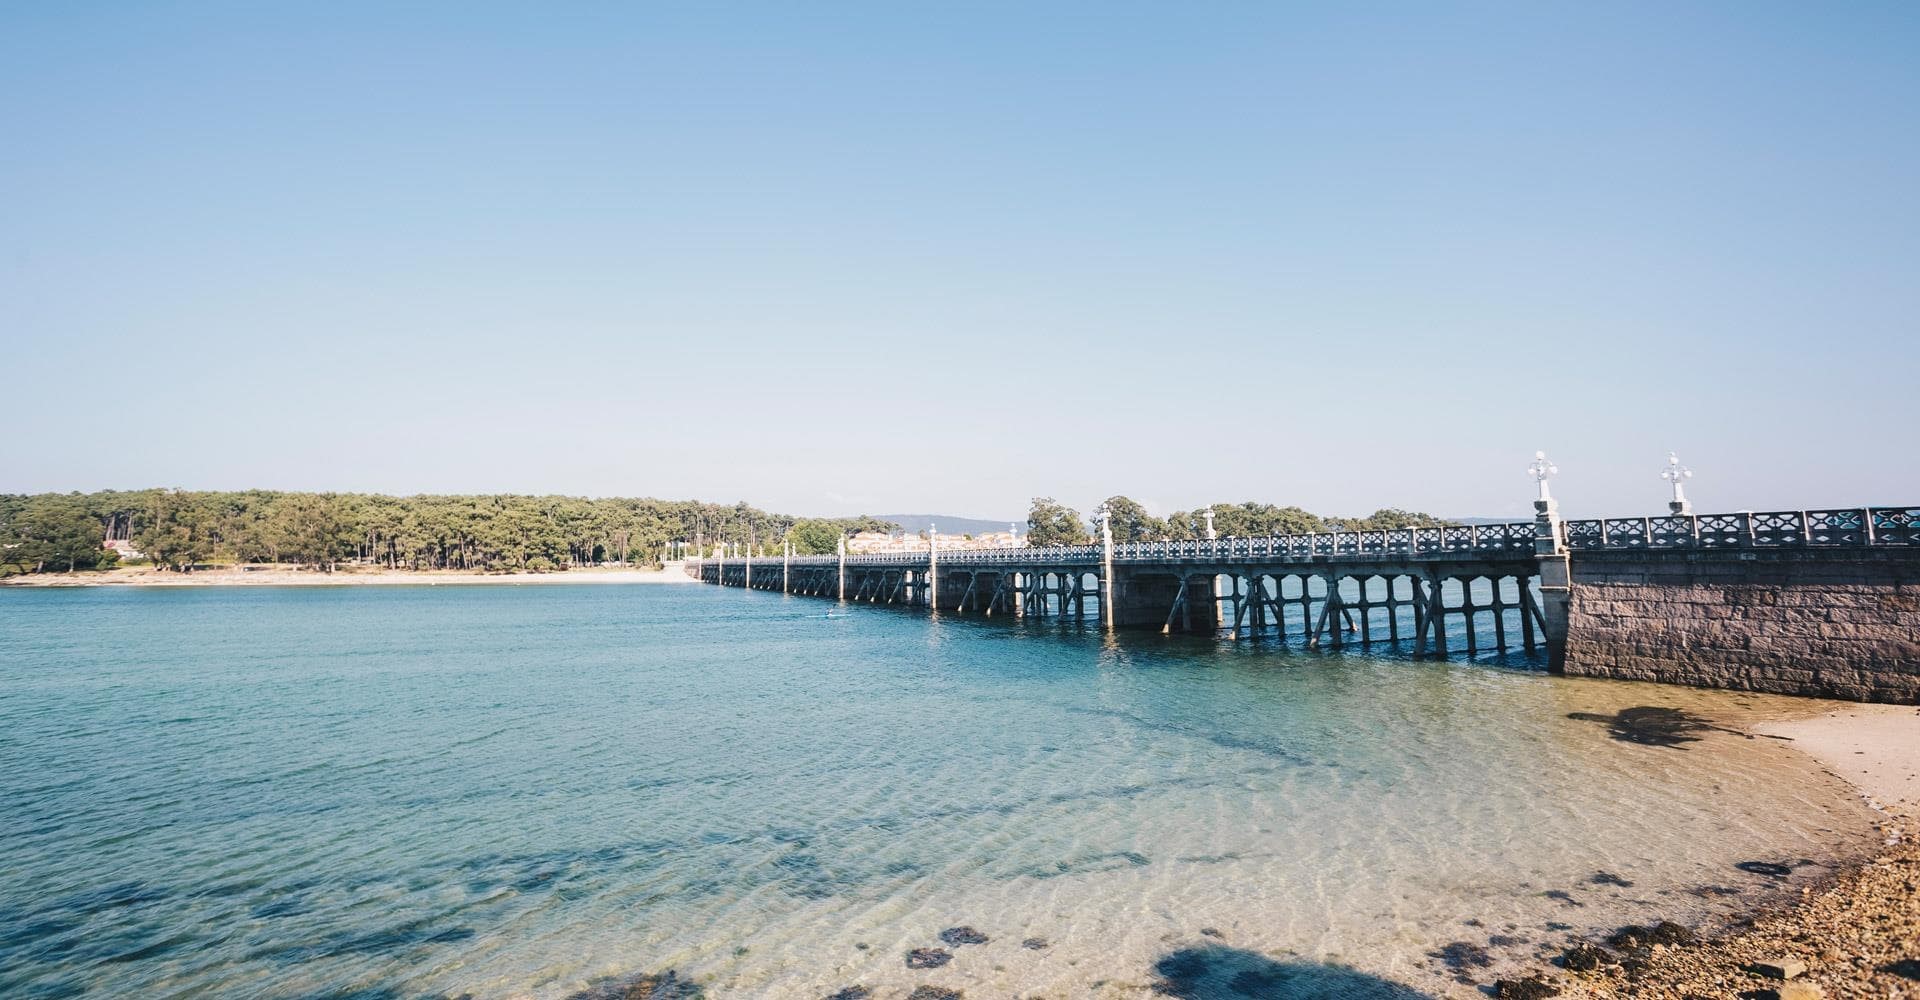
x=287, y=576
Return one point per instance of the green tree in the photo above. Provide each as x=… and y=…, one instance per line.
x=1052, y=523
x=56, y=531
x=315, y=528
x=499, y=532
x=1132, y=523
x=1386, y=519
x=815, y=537
x=176, y=530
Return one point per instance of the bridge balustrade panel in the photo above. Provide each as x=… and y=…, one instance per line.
x=1773, y=529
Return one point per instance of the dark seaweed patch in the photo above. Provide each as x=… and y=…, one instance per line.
x=384, y=941
x=1216, y=971
x=957, y=936
x=1114, y=861
x=804, y=877
x=928, y=958
x=647, y=986
x=1768, y=868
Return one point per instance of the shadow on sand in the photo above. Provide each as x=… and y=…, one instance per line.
x=1211, y=972
x=1653, y=726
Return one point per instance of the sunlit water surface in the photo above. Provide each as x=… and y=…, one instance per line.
x=528, y=791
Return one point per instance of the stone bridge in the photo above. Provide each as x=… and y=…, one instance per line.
x=1819, y=602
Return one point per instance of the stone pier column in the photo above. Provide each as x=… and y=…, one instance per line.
x=950, y=587
x=1144, y=596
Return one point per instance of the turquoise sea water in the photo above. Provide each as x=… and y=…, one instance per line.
x=528, y=791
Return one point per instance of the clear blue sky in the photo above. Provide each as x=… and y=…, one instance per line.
x=831, y=258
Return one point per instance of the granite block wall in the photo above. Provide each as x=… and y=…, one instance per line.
x=1834, y=623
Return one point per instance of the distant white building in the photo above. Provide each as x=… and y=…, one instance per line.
x=880, y=541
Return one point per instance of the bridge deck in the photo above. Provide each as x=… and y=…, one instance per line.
x=1464, y=543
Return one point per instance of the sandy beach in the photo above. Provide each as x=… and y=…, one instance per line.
x=282, y=576
x=1856, y=934
x=1875, y=748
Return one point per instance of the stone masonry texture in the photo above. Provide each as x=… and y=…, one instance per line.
x=1832, y=623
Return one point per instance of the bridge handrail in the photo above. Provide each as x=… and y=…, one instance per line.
x=1509, y=538
x=1769, y=529
x=1846, y=526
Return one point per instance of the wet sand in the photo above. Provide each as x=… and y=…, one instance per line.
x=1875, y=748
x=1854, y=933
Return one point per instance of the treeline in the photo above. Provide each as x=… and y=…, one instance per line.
x=180, y=529
x=1052, y=523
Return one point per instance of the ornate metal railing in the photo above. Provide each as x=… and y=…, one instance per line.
x=1770, y=529
x=1852, y=526
x=1512, y=538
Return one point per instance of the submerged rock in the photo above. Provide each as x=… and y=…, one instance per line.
x=1634, y=936
x=664, y=986
x=1669, y=933
x=1771, y=869
x=1630, y=937
x=934, y=993
x=1584, y=957
x=958, y=936
x=1463, y=955
x=851, y=993
x=1530, y=988
x=928, y=958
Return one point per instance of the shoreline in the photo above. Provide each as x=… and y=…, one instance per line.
x=279, y=576
x=1854, y=932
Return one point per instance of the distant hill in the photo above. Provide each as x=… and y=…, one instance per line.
x=915, y=523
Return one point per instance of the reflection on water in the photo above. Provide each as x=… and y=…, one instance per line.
x=589, y=791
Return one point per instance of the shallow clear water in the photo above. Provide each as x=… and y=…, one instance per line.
x=520, y=791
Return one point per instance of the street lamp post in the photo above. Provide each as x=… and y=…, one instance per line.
x=1546, y=512
x=1550, y=554
x=933, y=566
x=1542, y=470
x=1677, y=474
x=1106, y=565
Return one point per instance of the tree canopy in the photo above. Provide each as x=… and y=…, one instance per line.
x=54, y=531
x=1052, y=523
x=178, y=529
x=1131, y=522
x=1251, y=519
